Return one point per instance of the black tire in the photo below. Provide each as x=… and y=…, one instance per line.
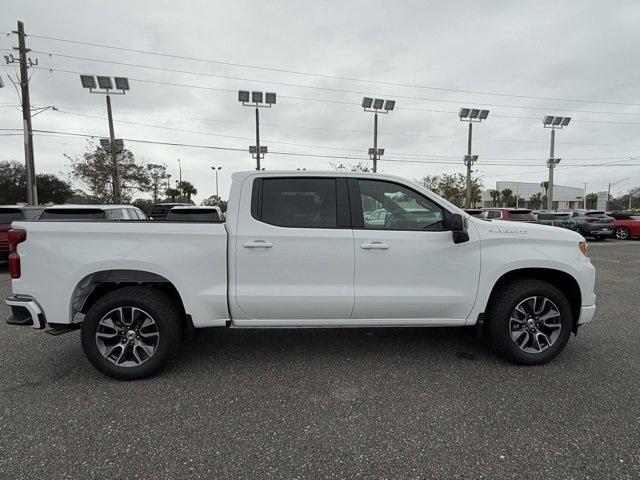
x=164, y=313
x=503, y=304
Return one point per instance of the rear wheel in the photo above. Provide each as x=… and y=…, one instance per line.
x=622, y=233
x=529, y=322
x=131, y=333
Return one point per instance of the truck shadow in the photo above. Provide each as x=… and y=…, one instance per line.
x=230, y=348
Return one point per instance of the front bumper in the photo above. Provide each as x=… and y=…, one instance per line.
x=25, y=311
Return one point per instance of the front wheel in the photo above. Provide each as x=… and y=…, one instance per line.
x=622, y=233
x=529, y=322
x=131, y=333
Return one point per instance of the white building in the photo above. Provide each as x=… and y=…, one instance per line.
x=563, y=197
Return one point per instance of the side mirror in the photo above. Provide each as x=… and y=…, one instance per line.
x=458, y=226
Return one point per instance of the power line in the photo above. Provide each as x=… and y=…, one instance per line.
x=311, y=127
x=313, y=87
x=326, y=76
x=315, y=146
x=303, y=154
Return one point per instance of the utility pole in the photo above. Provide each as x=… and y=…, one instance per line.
x=584, y=198
x=179, y=170
x=609, y=190
x=375, y=142
x=32, y=191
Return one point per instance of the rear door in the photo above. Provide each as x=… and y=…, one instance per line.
x=294, y=250
x=408, y=270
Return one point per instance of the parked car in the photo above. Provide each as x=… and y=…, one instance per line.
x=474, y=212
x=11, y=213
x=195, y=214
x=160, y=210
x=625, y=226
x=92, y=212
x=593, y=223
x=377, y=217
x=296, y=251
x=557, y=219
x=510, y=214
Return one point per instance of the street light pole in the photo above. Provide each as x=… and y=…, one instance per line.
x=470, y=115
x=611, y=184
x=584, y=199
x=553, y=122
x=114, y=160
x=376, y=106
x=216, y=170
x=258, y=138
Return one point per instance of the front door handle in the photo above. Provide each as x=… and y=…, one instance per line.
x=375, y=246
x=257, y=244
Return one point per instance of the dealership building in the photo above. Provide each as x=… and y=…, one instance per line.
x=564, y=198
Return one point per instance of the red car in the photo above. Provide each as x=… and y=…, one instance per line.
x=511, y=214
x=625, y=226
x=10, y=214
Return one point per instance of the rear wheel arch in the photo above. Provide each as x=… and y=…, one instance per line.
x=563, y=281
x=96, y=285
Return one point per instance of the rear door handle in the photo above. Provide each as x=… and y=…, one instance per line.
x=257, y=244
x=375, y=246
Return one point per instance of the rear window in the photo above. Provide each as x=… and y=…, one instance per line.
x=521, y=215
x=193, y=215
x=73, y=214
x=595, y=214
x=546, y=216
x=160, y=209
x=8, y=215
x=299, y=202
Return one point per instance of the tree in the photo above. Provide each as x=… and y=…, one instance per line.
x=357, y=167
x=453, y=187
x=535, y=201
x=13, y=183
x=157, y=174
x=172, y=193
x=94, y=169
x=507, y=197
x=495, y=196
x=592, y=200
x=144, y=204
x=215, y=201
x=187, y=189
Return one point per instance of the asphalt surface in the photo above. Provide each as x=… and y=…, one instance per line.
x=387, y=403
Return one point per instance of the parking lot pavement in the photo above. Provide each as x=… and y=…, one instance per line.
x=388, y=403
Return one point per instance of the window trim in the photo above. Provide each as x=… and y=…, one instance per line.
x=343, y=212
x=356, y=205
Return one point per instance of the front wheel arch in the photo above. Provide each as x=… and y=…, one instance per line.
x=559, y=279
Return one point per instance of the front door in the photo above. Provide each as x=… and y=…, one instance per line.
x=294, y=253
x=407, y=266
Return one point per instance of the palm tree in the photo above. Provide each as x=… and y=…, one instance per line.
x=187, y=189
x=172, y=193
x=495, y=196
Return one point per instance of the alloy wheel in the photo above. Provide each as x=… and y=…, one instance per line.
x=535, y=324
x=127, y=336
x=622, y=233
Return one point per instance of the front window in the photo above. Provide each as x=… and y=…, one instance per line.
x=394, y=207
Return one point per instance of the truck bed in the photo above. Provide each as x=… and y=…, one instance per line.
x=190, y=256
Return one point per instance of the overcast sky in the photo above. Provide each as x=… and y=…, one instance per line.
x=560, y=51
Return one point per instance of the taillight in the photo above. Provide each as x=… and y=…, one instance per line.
x=591, y=220
x=15, y=236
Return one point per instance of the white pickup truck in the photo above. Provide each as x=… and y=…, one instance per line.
x=301, y=249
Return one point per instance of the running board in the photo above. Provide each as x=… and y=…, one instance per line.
x=62, y=329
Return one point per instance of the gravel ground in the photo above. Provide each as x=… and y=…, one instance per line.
x=386, y=403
